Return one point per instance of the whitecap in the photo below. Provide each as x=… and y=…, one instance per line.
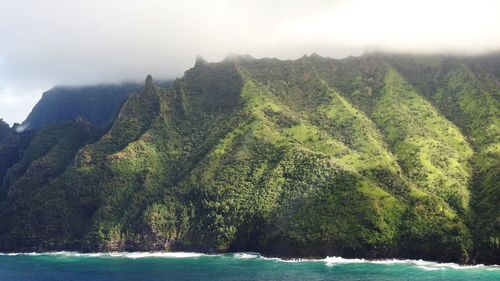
x=329, y=261
x=339, y=260
x=139, y=255
x=426, y=265
x=21, y=254
x=246, y=255
x=131, y=255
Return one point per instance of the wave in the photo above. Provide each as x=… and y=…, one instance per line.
x=22, y=254
x=246, y=256
x=131, y=255
x=425, y=265
x=329, y=261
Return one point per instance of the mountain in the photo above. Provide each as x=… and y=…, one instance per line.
x=99, y=104
x=11, y=145
x=4, y=129
x=8, y=155
x=381, y=155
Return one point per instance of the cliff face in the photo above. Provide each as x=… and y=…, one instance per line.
x=8, y=151
x=99, y=104
x=12, y=143
x=375, y=156
x=4, y=129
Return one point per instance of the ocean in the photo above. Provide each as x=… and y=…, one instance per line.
x=238, y=266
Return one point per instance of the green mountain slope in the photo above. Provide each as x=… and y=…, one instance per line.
x=356, y=157
x=467, y=92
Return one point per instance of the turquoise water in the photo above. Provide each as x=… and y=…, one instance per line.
x=239, y=266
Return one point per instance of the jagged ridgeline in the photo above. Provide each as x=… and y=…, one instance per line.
x=99, y=104
x=375, y=156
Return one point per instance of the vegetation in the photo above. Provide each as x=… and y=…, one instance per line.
x=98, y=104
x=376, y=156
x=11, y=146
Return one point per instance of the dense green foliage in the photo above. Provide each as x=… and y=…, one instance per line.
x=8, y=149
x=375, y=156
x=467, y=93
x=11, y=146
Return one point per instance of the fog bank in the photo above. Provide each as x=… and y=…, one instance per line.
x=54, y=42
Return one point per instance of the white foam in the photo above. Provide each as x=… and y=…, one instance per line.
x=339, y=260
x=21, y=254
x=131, y=255
x=246, y=255
x=334, y=260
x=138, y=255
x=425, y=265
x=252, y=255
x=329, y=261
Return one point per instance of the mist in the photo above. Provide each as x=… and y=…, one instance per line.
x=57, y=42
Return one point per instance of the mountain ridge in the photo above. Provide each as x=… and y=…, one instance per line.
x=357, y=157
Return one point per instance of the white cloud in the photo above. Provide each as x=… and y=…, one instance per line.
x=407, y=26
x=44, y=43
x=15, y=108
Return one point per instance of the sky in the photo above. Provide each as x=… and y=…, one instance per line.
x=44, y=43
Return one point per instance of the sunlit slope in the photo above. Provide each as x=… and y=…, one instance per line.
x=467, y=92
x=432, y=151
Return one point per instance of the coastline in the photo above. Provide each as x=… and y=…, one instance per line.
x=329, y=260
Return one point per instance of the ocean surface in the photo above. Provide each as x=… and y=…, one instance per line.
x=239, y=266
